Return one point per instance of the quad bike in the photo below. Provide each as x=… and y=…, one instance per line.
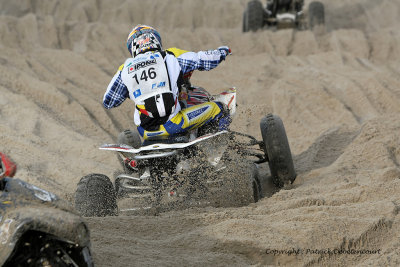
x=217, y=168
x=36, y=227
x=282, y=14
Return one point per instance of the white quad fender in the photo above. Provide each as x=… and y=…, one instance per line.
x=228, y=98
x=158, y=147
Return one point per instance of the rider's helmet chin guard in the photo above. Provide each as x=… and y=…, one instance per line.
x=142, y=39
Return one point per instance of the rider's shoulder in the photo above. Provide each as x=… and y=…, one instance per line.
x=128, y=61
x=177, y=52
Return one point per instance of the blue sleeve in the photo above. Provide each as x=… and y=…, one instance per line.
x=116, y=92
x=203, y=60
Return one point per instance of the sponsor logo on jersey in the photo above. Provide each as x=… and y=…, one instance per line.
x=142, y=64
x=139, y=58
x=154, y=56
x=212, y=52
x=155, y=85
x=154, y=134
x=194, y=114
x=137, y=93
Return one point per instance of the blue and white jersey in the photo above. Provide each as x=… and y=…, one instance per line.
x=125, y=84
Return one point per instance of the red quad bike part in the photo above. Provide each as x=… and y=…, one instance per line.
x=7, y=167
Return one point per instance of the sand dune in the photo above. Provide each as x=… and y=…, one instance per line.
x=337, y=91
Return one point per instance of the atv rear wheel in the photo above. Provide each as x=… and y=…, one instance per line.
x=95, y=196
x=255, y=184
x=245, y=26
x=253, y=17
x=240, y=186
x=277, y=150
x=316, y=14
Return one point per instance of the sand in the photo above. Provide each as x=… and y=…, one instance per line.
x=337, y=91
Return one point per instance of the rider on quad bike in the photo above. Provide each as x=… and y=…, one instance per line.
x=154, y=79
x=175, y=166
x=275, y=6
x=282, y=14
x=189, y=95
x=36, y=227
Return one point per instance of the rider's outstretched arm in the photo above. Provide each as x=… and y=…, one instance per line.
x=116, y=92
x=202, y=60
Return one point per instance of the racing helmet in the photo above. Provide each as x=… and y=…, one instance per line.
x=143, y=38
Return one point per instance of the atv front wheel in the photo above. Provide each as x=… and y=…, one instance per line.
x=316, y=14
x=245, y=26
x=253, y=17
x=277, y=150
x=95, y=196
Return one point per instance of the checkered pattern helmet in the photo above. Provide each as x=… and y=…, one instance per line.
x=142, y=39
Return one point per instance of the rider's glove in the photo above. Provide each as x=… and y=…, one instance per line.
x=225, y=51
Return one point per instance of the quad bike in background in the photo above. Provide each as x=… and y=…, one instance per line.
x=36, y=227
x=282, y=14
x=207, y=167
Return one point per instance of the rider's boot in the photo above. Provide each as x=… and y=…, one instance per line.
x=130, y=138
